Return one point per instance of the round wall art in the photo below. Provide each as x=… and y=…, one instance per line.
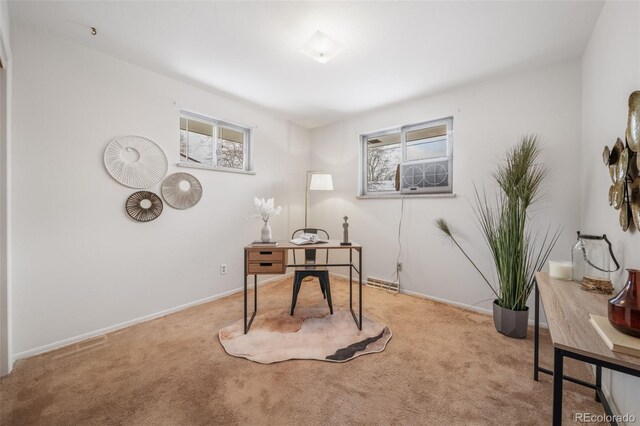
x=135, y=161
x=181, y=190
x=143, y=206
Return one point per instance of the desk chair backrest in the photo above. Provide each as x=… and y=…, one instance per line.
x=310, y=254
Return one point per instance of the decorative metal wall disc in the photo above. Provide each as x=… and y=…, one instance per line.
x=616, y=151
x=613, y=172
x=623, y=165
x=135, y=161
x=181, y=190
x=143, y=206
x=633, y=122
x=625, y=215
x=635, y=201
x=616, y=195
x=614, y=160
x=606, y=155
x=612, y=189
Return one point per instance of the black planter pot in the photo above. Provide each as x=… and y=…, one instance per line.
x=511, y=323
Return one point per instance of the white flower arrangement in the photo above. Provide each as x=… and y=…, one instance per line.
x=265, y=209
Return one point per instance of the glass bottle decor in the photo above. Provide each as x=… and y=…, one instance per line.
x=591, y=257
x=624, y=308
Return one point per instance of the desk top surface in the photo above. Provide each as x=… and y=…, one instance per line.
x=567, y=308
x=330, y=244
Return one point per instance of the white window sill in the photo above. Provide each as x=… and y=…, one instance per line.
x=217, y=169
x=408, y=196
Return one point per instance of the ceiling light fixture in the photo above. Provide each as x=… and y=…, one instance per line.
x=322, y=48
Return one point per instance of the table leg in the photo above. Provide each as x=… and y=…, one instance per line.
x=246, y=329
x=350, y=276
x=360, y=287
x=558, y=360
x=536, y=333
x=598, y=382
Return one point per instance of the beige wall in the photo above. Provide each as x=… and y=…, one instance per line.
x=81, y=266
x=488, y=117
x=610, y=72
x=5, y=190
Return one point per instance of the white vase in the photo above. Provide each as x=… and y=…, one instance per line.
x=265, y=235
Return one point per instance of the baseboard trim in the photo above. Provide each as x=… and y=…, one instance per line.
x=96, y=333
x=102, y=331
x=447, y=302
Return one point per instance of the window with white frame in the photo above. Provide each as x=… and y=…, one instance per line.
x=412, y=159
x=214, y=144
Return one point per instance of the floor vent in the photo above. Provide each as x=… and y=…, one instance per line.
x=382, y=284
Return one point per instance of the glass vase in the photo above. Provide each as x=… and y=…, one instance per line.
x=624, y=308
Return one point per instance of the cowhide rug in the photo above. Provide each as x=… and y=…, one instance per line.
x=312, y=333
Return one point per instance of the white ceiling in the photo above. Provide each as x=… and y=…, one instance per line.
x=395, y=50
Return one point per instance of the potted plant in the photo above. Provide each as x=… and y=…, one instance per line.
x=517, y=253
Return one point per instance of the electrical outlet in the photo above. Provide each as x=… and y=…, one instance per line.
x=399, y=266
x=223, y=268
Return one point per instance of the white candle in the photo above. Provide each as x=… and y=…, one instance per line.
x=560, y=269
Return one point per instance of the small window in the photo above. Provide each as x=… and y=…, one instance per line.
x=384, y=153
x=213, y=144
x=413, y=159
x=427, y=142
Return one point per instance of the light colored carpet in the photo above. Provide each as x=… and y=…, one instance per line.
x=311, y=333
x=443, y=366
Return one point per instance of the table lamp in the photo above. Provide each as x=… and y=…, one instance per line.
x=320, y=181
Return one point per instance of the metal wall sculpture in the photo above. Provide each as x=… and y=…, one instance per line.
x=135, y=161
x=623, y=161
x=143, y=206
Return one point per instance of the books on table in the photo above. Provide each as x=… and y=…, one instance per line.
x=615, y=340
x=265, y=244
x=307, y=239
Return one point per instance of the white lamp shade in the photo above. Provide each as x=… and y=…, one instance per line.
x=321, y=182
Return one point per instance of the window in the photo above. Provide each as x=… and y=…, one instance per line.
x=413, y=159
x=213, y=144
x=384, y=155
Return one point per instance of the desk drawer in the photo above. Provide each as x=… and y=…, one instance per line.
x=267, y=267
x=267, y=255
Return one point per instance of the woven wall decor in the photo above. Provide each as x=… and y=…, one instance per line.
x=135, y=161
x=181, y=190
x=143, y=206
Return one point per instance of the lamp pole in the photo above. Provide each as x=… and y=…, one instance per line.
x=306, y=195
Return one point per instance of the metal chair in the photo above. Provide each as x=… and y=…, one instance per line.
x=312, y=270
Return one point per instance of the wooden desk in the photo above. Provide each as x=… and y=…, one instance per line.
x=567, y=308
x=273, y=260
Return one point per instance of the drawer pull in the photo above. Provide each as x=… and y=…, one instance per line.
x=265, y=264
x=266, y=253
